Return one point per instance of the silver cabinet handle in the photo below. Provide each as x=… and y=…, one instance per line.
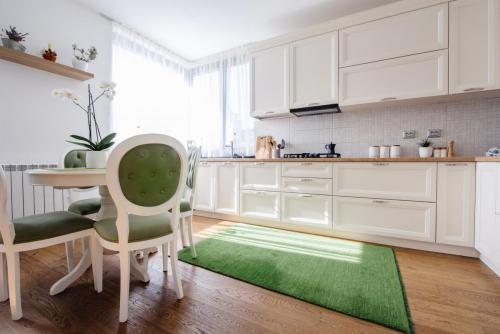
x=474, y=89
x=313, y=104
x=306, y=180
x=227, y=163
x=306, y=163
x=388, y=99
x=379, y=201
x=456, y=164
x=269, y=112
x=305, y=196
x=259, y=163
x=204, y=163
x=380, y=164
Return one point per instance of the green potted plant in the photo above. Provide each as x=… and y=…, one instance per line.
x=13, y=39
x=96, y=144
x=83, y=57
x=425, y=149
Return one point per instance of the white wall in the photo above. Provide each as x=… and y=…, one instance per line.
x=33, y=124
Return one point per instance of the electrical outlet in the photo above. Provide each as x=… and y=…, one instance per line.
x=434, y=133
x=409, y=134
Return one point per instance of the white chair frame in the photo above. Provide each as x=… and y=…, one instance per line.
x=125, y=207
x=10, y=287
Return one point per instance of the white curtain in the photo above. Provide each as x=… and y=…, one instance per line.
x=207, y=103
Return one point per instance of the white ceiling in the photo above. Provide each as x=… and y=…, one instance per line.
x=197, y=28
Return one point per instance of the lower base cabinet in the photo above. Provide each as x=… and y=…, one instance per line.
x=260, y=204
x=307, y=209
x=389, y=218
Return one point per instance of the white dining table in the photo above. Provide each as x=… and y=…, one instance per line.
x=67, y=178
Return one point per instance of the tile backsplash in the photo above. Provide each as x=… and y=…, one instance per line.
x=474, y=125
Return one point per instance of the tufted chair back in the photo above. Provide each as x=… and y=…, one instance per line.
x=6, y=227
x=75, y=159
x=193, y=161
x=146, y=175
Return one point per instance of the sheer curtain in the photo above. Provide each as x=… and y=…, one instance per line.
x=207, y=102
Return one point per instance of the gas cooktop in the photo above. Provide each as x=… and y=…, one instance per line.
x=311, y=155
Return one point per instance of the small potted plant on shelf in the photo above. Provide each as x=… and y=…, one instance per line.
x=96, y=144
x=49, y=54
x=83, y=57
x=425, y=149
x=13, y=39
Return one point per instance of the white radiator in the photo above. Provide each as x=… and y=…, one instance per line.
x=25, y=199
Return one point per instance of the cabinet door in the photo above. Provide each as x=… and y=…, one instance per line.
x=260, y=204
x=455, y=204
x=204, y=197
x=497, y=191
x=306, y=209
x=474, y=45
x=260, y=175
x=410, y=33
x=397, y=180
x=227, y=186
x=397, y=219
x=269, y=82
x=402, y=78
x=314, y=71
x=307, y=169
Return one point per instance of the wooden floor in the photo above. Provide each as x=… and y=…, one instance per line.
x=447, y=294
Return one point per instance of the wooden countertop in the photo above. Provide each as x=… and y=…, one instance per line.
x=405, y=159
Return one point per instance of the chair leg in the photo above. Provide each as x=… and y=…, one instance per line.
x=96, y=252
x=14, y=285
x=164, y=250
x=175, y=270
x=190, y=235
x=69, y=255
x=181, y=229
x=4, y=287
x=124, y=284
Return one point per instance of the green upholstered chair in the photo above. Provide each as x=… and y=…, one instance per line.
x=145, y=175
x=187, y=202
x=28, y=233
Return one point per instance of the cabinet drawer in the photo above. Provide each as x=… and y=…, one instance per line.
x=307, y=169
x=397, y=219
x=408, y=77
x=305, y=209
x=307, y=185
x=396, y=36
x=260, y=204
x=260, y=175
x=398, y=180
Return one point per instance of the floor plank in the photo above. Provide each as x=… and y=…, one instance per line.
x=446, y=294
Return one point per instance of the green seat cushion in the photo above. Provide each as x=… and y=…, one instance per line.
x=85, y=206
x=48, y=225
x=140, y=228
x=185, y=206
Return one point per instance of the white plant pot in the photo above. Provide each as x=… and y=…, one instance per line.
x=425, y=152
x=96, y=159
x=80, y=65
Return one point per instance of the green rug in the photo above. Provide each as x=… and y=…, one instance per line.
x=351, y=277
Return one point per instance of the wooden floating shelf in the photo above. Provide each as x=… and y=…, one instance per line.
x=42, y=64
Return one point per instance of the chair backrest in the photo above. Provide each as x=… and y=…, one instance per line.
x=146, y=175
x=75, y=159
x=193, y=162
x=6, y=227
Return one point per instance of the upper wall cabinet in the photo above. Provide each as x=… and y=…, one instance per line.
x=396, y=36
x=474, y=45
x=420, y=75
x=314, y=71
x=269, y=84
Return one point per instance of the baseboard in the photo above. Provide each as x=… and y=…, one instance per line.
x=494, y=266
x=420, y=245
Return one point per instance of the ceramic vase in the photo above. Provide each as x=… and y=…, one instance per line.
x=425, y=152
x=80, y=65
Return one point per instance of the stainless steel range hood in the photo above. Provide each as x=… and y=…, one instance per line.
x=316, y=110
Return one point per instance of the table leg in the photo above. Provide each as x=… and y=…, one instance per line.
x=108, y=208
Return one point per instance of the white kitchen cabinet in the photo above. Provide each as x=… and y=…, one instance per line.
x=269, y=82
x=487, y=229
x=226, y=189
x=398, y=219
x=397, y=180
x=306, y=209
x=260, y=204
x=410, y=33
x=314, y=71
x=474, y=45
x=420, y=75
x=260, y=176
x=204, y=196
x=307, y=185
x=307, y=169
x=497, y=191
x=455, y=203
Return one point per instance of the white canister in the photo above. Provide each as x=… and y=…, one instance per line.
x=395, y=151
x=385, y=151
x=444, y=152
x=374, y=152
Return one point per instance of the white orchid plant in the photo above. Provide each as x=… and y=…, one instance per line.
x=94, y=142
